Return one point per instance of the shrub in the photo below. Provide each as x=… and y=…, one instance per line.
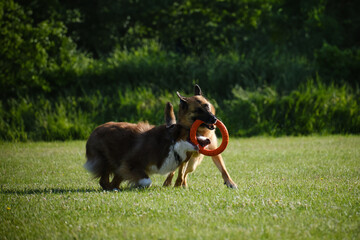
x=69, y=118
x=28, y=50
x=338, y=65
x=314, y=108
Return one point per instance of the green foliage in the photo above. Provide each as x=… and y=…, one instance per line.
x=198, y=26
x=74, y=118
x=314, y=108
x=152, y=67
x=66, y=66
x=338, y=65
x=42, y=120
x=28, y=50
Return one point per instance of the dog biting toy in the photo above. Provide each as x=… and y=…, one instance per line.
x=220, y=149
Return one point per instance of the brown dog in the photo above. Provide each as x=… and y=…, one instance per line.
x=191, y=109
x=132, y=152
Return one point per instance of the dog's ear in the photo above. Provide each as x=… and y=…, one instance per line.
x=183, y=101
x=197, y=90
x=169, y=115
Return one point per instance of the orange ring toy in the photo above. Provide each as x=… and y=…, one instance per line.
x=220, y=149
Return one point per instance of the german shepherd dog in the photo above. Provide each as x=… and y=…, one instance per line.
x=132, y=152
x=191, y=109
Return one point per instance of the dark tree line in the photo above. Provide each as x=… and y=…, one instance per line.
x=274, y=66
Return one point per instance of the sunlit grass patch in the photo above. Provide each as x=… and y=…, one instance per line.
x=291, y=187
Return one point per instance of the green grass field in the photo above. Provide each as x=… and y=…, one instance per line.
x=289, y=188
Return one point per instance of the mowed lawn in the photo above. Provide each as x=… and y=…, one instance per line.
x=289, y=188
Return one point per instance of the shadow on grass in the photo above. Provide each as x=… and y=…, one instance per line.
x=47, y=191
x=71, y=190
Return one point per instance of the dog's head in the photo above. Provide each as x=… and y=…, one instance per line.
x=195, y=108
x=178, y=131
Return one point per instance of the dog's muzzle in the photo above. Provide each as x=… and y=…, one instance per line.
x=210, y=123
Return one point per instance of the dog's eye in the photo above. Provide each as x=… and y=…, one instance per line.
x=207, y=107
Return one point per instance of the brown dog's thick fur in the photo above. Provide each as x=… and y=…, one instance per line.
x=132, y=152
x=191, y=109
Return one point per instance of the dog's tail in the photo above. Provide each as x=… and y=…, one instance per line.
x=95, y=162
x=170, y=119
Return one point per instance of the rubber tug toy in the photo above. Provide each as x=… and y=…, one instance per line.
x=207, y=152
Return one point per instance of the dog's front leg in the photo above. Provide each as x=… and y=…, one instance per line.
x=115, y=183
x=218, y=160
x=169, y=179
x=180, y=181
x=104, y=181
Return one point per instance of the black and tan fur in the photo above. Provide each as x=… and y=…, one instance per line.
x=132, y=152
x=191, y=109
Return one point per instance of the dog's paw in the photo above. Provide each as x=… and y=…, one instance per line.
x=203, y=141
x=231, y=184
x=144, y=183
x=167, y=183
